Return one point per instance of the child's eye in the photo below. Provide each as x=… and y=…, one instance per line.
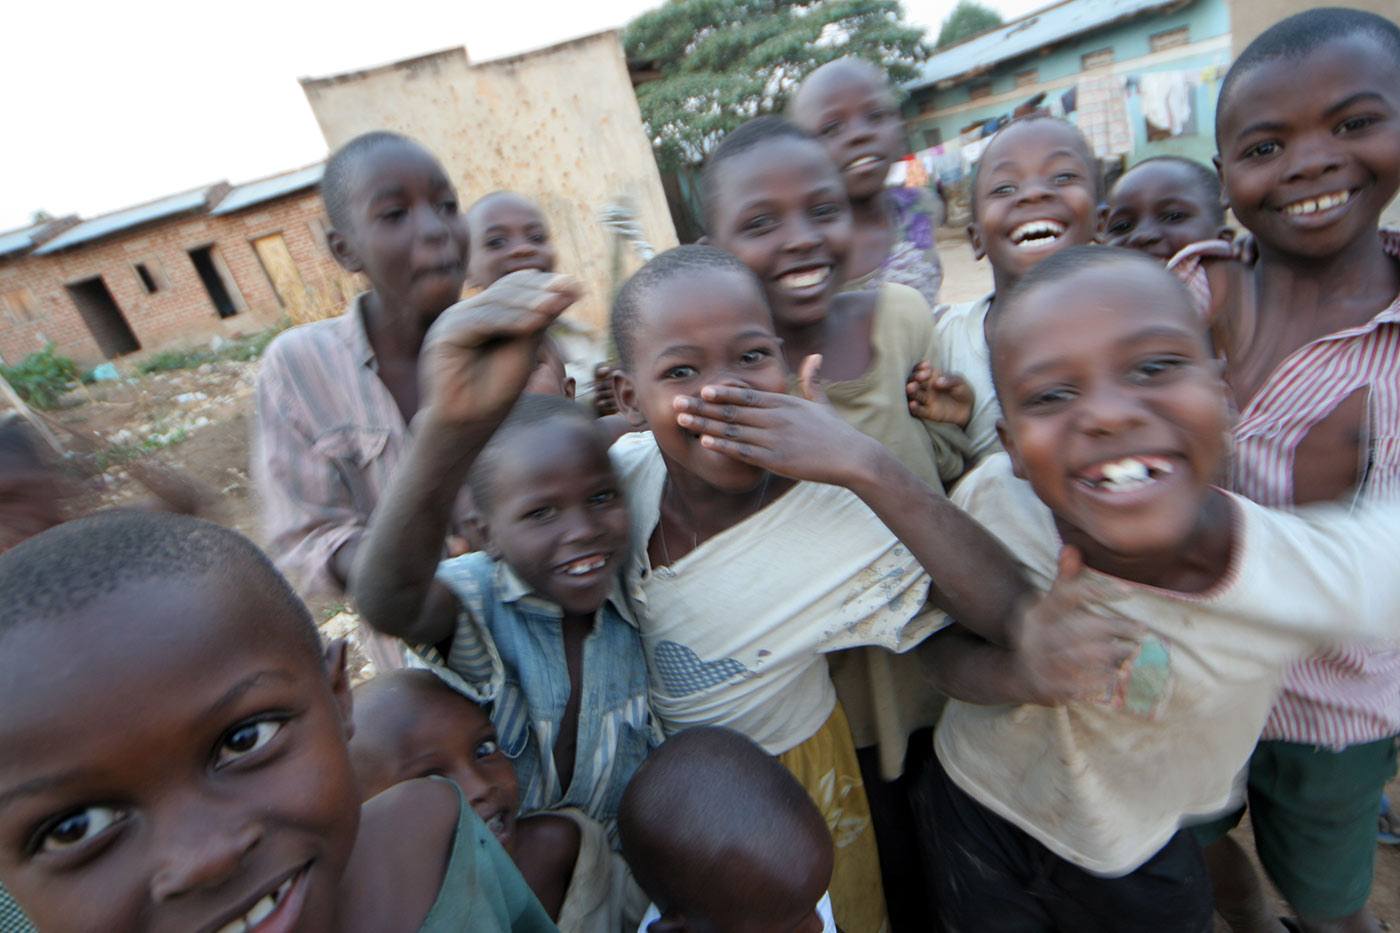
x=542, y=514
x=830, y=129
x=1048, y=397
x=394, y=214
x=496, y=242
x=1065, y=178
x=73, y=829
x=538, y=238
x=448, y=207
x=1261, y=150
x=827, y=211
x=679, y=372
x=1003, y=189
x=758, y=224
x=1173, y=217
x=877, y=115
x=1355, y=124
x=242, y=740
x=1157, y=366
x=602, y=498
x=751, y=357
x=488, y=748
x=1120, y=227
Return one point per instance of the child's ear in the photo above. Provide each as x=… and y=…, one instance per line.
x=1220, y=173
x=343, y=252
x=334, y=658
x=974, y=236
x=570, y=388
x=1009, y=446
x=625, y=393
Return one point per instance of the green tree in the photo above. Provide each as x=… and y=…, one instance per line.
x=724, y=61
x=967, y=19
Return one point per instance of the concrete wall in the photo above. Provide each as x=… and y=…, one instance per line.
x=950, y=109
x=560, y=125
x=180, y=312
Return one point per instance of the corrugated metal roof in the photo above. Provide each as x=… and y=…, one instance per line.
x=1029, y=33
x=256, y=192
x=108, y=224
x=17, y=241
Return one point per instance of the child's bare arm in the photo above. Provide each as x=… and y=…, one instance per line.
x=475, y=361
x=975, y=579
x=1060, y=650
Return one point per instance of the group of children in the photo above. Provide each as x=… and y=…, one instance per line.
x=684, y=680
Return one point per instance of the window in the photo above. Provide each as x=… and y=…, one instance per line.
x=1092, y=60
x=18, y=304
x=1170, y=39
x=1028, y=77
x=148, y=281
x=979, y=90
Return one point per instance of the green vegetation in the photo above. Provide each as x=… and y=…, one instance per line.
x=967, y=19
x=724, y=61
x=243, y=350
x=42, y=378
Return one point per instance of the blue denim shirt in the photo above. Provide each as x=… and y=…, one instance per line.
x=508, y=654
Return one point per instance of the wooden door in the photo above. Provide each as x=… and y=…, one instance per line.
x=277, y=263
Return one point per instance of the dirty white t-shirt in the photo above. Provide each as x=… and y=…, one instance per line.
x=961, y=340
x=1106, y=785
x=735, y=631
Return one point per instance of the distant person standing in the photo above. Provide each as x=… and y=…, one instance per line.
x=336, y=397
x=848, y=105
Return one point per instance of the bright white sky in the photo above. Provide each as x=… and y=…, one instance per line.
x=110, y=104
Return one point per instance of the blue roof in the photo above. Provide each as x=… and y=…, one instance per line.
x=1029, y=33
x=116, y=222
x=17, y=241
x=256, y=192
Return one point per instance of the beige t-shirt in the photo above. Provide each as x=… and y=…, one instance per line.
x=1106, y=785
x=961, y=340
x=735, y=632
x=901, y=336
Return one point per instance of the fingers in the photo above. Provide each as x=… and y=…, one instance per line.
x=744, y=453
x=739, y=396
x=516, y=305
x=807, y=378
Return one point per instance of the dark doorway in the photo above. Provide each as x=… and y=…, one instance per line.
x=103, y=318
x=203, y=259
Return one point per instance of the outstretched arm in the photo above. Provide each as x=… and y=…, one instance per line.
x=975, y=579
x=475, y=362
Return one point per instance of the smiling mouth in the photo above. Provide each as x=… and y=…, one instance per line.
x=805, y=278
x=499, y=827
x=1125, y=474
x=264, y=907
x=583, y=566
x=442, y=269
x=1316, y=205
x=1037, y=234
x=862, y=162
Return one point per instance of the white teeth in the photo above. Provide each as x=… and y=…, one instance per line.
x=587, y=565
x=862, y=162
x=237, y=926
x=496, y=824
x=1132, y=472
x=805, y=279
x=261, y=910
x=1313, y=205
x=1037, y=233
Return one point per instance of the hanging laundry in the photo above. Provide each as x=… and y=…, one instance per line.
x=1103, y=115
x=1166, y=104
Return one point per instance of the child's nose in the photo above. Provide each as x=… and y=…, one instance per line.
x=1313, y=158
x=803, y=237
x=1033, y=191
x=201, y=857
x=1144, y=235
x=522, y=249
x=1108, y=411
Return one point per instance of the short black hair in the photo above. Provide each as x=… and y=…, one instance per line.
x=529, y=410
x=1070, y=262
x=1206, y=178
x=20, y=451
x=745, y=137
x=339, y=174
x=1085, y=150
x=683, y=260
x=1301, y=34
x=485, y=200
x=62, y=571
x=706, y=813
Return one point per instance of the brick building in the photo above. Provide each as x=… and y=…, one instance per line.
x=175, y=272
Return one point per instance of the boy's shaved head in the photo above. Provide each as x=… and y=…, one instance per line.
x=1080, y=143
x=745, y=137
x=64, y=570
x=528, y=411
x=683, y=260
x=1206, y=179
x=339, y=176
x=833, y=73
x=1300, y=34
x=481, y=204
x=713, y=826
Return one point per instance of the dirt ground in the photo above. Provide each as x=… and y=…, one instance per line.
x=197, y=422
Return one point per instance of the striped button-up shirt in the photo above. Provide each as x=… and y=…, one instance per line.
x=1349, y=695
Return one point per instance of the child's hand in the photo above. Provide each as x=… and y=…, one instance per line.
x=480, y=352
x=604, y=403
x=801, y=438
x=1066, y=649
x=937, y=396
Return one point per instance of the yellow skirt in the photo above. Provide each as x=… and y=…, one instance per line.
x=826, y=766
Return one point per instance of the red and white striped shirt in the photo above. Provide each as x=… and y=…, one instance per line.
x=1350, y=695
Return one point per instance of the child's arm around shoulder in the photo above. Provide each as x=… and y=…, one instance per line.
x=474, y=363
